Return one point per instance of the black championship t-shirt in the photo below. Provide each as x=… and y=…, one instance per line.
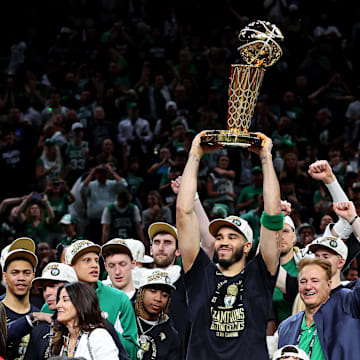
x=16, y=349
x=229, y=314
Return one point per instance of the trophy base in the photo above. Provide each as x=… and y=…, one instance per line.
x=231, y=139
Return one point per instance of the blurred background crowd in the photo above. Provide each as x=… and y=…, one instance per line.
x=100, y=100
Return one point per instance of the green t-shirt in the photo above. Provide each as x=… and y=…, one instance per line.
x=305, y=340
x=250, y=192
x=283, y=307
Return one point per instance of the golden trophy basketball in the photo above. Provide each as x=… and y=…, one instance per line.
x=259, y=50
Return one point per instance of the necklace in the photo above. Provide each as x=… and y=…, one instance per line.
x=144, y=338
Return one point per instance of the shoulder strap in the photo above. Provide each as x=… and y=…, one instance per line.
x=89, y=347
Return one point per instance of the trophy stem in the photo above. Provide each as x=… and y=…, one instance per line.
x=244, y=89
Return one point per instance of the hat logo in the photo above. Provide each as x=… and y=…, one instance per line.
x=77, y=247
x=167, y=280
x=236, y=222
x=333, y=243
x=55, y=272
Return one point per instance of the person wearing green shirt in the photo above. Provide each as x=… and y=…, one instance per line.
x=115, y=306
x=282, y=306
x=247, y=199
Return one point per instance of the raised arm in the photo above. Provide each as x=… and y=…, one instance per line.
x=186, y=220
x=207, y=241
x=321, y=170
x=346, y=209
x=272, y=219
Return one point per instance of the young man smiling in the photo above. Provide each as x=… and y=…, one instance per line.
x=18, y=263
x=229, y=303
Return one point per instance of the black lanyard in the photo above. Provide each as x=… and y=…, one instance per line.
x=76, y=345
x=312, y=341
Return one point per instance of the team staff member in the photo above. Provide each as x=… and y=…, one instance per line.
x=83, y=256
x=158, y=338
x=229, y=303
x=329, y=327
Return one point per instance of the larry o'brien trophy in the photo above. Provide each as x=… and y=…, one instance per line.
x=259, y=50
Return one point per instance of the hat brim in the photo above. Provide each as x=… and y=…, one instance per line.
x=93, y=248
x=21, y=254
x=169, y=286
x=123, y=249
x=314, y=247
x=159, y=227
x=146, y=260
x=25, y=243
x=39, y=282
x=216, y=224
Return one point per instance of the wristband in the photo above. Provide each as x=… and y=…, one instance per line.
x=353, y=220
x=272, y=222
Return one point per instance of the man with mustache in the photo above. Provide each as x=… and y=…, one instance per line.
x=229, y=302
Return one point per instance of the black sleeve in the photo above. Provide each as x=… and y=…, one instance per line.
x=175, y=350
x=18, y=328
x=353, y=250
x=292, y=288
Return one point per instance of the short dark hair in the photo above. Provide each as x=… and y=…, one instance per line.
x=7, y=263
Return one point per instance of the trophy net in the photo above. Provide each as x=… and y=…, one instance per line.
x=243, y=92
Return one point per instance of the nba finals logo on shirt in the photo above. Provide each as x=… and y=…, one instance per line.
x=227, y=313
x=230, y=296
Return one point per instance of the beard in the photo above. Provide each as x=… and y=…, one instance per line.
x=236, y=256
x=165, y=261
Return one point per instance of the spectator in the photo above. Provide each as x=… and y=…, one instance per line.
x=100, y=128
x=36, y=222
x=68, y=225
x=220, y=185
x=121, y=219
x=97, y=194
x=306, y=233
x=134, y=131
x=50, y=164
x=60, y=197
x=107, y=155
x=53, y=107
x=247, y=199
x=156, y=212
x=76, y=154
